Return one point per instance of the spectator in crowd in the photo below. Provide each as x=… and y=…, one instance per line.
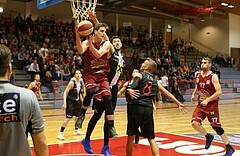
x=47, y=81
x=34, y=69
x=165, y=84
x=215, y=69
x=134, y=61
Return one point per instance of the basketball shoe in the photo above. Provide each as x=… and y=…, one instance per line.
x=78, y=132
x=112, y=133
x=229, y=151
x=209, y=139
x=87, y=146
x=105, y=150
x=60, y=136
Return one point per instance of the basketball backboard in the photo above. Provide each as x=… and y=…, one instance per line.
x=46, y=3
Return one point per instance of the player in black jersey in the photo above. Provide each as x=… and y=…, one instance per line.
x=116, y=62
x=140, y=109
x=124, y=88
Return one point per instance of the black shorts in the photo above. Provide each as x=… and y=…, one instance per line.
x=73, y=108
x=140, y=116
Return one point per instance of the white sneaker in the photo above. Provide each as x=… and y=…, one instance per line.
x=78, y=132
x=60, y=136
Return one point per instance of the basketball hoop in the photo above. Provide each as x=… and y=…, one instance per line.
x=80, y=7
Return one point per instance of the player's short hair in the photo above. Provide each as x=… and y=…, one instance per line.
x=76, y=71
x=5, y=59
x=135, y=70
x=152, y=66
x=208, y=59
x=36, y=75
x=114, y=37
x=99, y=25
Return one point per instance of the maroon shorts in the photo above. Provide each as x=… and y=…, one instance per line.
x=212, y=113
x=98, y=81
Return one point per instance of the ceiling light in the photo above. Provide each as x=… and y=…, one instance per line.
x=202, y=19
x=224, y=4
x=231, y=6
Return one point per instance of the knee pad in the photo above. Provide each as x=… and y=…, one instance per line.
x=107, y=100
x=218, y=130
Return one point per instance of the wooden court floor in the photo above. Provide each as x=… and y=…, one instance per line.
x=167, y=119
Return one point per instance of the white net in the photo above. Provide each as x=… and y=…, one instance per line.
x=80, y=7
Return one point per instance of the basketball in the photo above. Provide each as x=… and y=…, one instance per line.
x=85, y=28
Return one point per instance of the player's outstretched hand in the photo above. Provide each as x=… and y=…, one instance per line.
x=64, y=106
x=91, y=14
x=182, y=108
x=134, y=94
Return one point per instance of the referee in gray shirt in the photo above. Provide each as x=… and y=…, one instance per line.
x=19, y=113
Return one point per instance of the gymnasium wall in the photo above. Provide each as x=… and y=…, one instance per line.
x=213, y=34
x=234, y=31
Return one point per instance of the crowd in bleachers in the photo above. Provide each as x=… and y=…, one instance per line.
x=41, y=45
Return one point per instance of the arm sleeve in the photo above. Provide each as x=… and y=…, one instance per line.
x=135, y=82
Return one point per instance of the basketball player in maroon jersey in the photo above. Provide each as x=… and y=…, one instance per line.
x=97, y=50
x=208, y=89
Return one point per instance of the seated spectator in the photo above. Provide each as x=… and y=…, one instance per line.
x=176, y=58
x=34, y=69
x=215, y=70
x=222, y=61
x=175, y=90
x=134, y=61
x=229, y=61
x=58, y=72
x=66, y=73
x=47, y=81
x=185, y=68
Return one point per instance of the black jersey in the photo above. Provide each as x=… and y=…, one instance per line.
x=116, y=64
x=75, y=92
x=148, y=89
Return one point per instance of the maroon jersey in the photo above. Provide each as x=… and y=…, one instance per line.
x=205, y=87
x=36, y=86
x=92, y=64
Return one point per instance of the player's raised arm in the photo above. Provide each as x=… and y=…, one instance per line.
x=123, y=89
x=81, y=46
x=92, y=15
